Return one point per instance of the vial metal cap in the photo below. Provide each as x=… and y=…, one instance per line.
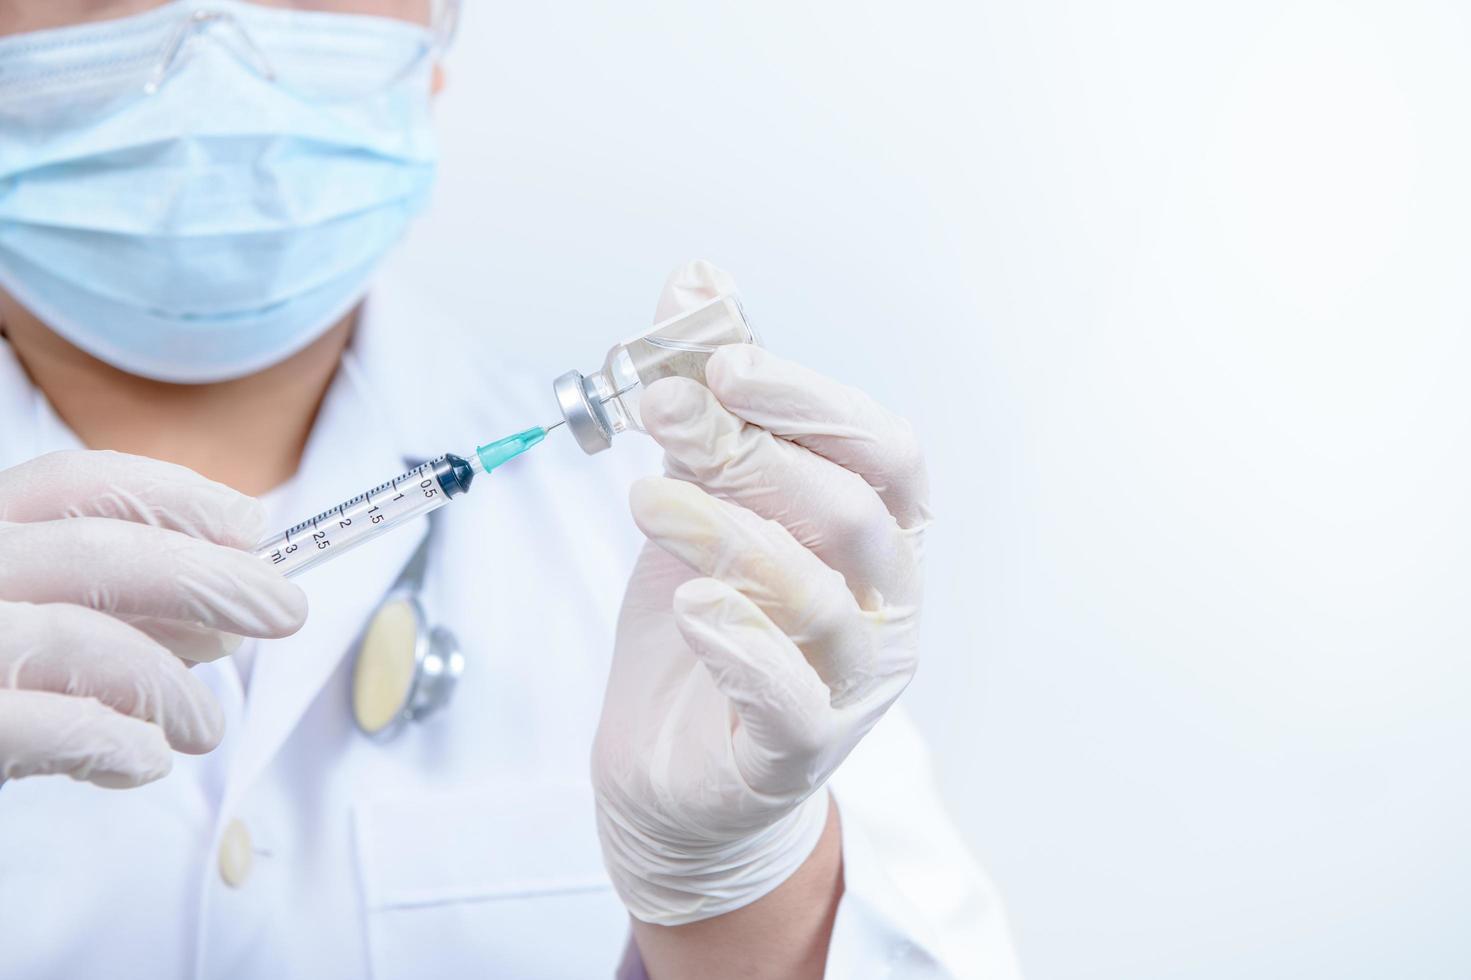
x=583, y=412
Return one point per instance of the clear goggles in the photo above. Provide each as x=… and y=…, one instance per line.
x=132, y=47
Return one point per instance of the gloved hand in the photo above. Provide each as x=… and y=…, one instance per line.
x=767, y=626
x=115, y=570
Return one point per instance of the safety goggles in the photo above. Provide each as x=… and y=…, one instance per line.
x=105, y=50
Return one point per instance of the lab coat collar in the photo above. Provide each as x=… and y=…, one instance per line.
x=27, y=425
x=354, y=443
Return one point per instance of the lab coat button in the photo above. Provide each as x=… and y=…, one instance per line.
x=236, y=854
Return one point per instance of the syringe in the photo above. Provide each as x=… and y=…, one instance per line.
x=595, y=407
x=426, y=487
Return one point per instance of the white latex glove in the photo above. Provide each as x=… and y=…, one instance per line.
x=767, y=626
x=114, y=571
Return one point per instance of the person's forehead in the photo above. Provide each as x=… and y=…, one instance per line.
x=19, y=16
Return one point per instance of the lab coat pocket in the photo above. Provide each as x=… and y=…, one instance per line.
x=501, y=884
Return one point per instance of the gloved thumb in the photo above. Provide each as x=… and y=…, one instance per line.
x=782, y=705
x=691, y=285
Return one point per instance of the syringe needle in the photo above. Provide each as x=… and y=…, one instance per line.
x=601, y=401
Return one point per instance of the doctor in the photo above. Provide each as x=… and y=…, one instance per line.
x=194, y=196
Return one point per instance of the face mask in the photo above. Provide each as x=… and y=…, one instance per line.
x=197, y=192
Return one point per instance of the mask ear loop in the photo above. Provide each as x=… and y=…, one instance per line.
x=194, y=26
x=448, y=25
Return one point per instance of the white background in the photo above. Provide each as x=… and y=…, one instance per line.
x=1176, y=295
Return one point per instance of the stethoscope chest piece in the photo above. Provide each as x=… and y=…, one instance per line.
x=405, y=671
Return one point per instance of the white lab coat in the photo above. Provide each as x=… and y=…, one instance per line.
x=466, y=847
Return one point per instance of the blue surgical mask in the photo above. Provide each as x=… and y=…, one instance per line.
x=197, y=192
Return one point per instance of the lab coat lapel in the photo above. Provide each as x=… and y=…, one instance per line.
x=20, y=407
x=351, y=447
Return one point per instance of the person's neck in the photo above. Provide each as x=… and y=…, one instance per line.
x=248, y=433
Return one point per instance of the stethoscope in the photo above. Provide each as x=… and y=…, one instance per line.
x=404, y=667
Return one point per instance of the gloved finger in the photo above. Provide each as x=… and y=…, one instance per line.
x=42, y=733
x=189, y=642
x=80, y=652
x=692, y=284
x=831, y=419
x=118, y=567
x=808, y=601
x=129, y=488
x=781, y=702
x=827, y=508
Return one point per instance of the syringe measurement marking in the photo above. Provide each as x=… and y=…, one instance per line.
x=417, y=471
x=439, y=480
x=375, y=513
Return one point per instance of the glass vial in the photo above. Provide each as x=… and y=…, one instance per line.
x=600, y=405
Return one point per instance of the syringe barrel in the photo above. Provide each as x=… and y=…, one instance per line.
x=600, y=405
x=359, y=520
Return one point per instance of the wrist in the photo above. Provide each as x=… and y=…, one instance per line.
x=784, y=934
x=674, y=884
